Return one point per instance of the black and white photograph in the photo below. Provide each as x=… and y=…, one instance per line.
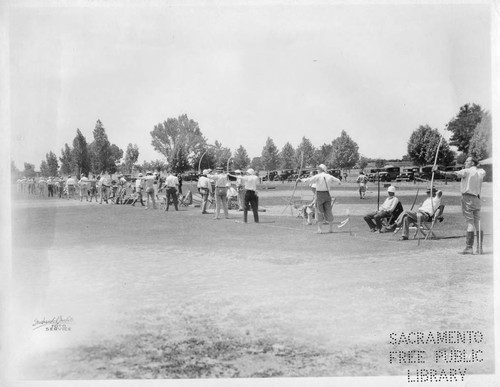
x=267, y=193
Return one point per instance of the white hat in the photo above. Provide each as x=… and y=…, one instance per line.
x=228, y=184
x=323, y=167
x=140, y=174
x=205, y=171
x=237, y=171
x=391, y=189
x=250, y=171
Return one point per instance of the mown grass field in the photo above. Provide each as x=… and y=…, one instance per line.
x=180, y=295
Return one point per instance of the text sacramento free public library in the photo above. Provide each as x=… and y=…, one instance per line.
x=444, y=337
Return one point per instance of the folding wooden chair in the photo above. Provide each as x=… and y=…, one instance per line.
x=426, y=227
x=391, y=218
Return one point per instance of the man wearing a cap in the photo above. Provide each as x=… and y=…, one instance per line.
x=240, y=188
x=204, y=190
x=362, y=180
x=323, y=181
x=426, y=211
x=122, y=182
x=220, y=181
x=104, y=187
x=138, y=190
x=374, y=219
x=251, y=197
x=172, y=184
x=84, y=187
x=470, y=188
x=148, y=182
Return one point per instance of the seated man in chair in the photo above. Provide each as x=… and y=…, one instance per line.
x=426, y=211
x=374, y=219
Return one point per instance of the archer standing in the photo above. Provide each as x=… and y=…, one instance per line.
x=323, y=181
x=251, y=197
x=470, y=188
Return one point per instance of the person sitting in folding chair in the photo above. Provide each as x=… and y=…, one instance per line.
x=426, y=212
x=232, y=197
x=374, y=219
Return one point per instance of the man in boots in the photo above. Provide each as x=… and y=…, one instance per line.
x=470, y=188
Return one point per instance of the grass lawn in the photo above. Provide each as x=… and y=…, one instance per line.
x=180, y=295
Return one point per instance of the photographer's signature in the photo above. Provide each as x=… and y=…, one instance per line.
x=58, y=321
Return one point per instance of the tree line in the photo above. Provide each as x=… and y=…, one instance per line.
x=181, y=143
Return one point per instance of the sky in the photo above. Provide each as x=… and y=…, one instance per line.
x=244, y=71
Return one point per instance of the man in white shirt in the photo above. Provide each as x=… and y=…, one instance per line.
x=138, y=190
x=104, y=185
x=220, y=179
x=323, y=181
x=148, y=182
x=172, y=185
x=84, y=187
x=374, y=219
x=362, y=180
x=240, y=188
x=426, y=211
x=71, y=187
x=470, y=188
x=251, y=198
x=204, y=190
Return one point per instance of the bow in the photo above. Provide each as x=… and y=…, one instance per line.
x=433, y=167
x=290, y=202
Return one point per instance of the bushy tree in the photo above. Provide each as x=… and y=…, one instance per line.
x=222, y=154
x=115, y=156
x=324, y=155
x=180, y=163
x=309, y=151
x=100, y=149
x=173, y=133
x=422, y=146
x=462, y=126
x=270, y=155
x=481, y=142
x=131, y=157
x=241, y=159
x=345, y=153
x=80, y=157
x=44, y=169
x=52, y=163
x=363, y=162
x=287, y=157
x=29, y=170
x=66, y=160
x=256, y=164
x=380, y=163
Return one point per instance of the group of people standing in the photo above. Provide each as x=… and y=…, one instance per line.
x=217, y=185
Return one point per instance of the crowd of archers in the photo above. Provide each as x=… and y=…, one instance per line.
x=239, y=191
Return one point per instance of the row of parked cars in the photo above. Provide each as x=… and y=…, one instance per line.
x=392, y=173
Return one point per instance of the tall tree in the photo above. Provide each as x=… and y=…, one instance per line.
x=287, y=157
x=180, y=162
x=324, y=155
x=241, y=159
x=44, y=169
x=462, y=126
x=29, y=170
x=422, y=146
x=270, y=155
x=345, y=153
x=115, y=156
x=363, y=162
x=100, y=149
x=131, y=156
x=80, y=154
x=66, y=160
x=380, y=163
x=52, y=163
x=481, y=142
x=307, y=147
x=173, y=133
x=256, y=164
x=155, y=165
x=222, y=154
